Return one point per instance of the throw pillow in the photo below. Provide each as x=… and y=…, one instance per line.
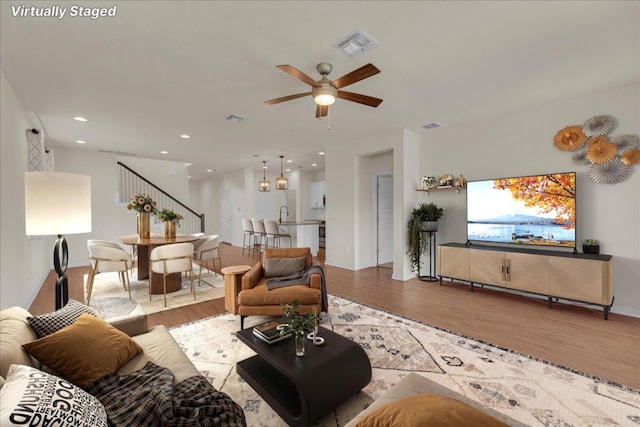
x=84, y=351
x=35, y=398
x=46, y=324
x=279, y=267
x=429, y=410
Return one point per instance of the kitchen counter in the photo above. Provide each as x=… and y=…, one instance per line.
x=304, y=234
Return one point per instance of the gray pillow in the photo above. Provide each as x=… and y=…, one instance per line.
x=46, y=324
x=279, y=267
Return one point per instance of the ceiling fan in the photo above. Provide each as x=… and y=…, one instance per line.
x=325, y=91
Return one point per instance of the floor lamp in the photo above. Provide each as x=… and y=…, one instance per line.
x=57, y=203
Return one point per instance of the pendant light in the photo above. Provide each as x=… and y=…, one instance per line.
x=264, y=185
x=282, y=183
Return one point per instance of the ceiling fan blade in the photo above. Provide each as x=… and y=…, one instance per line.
x=286, y=98
x=359, y=98
x=322, y=111
x=355, y=76
x=293, y=71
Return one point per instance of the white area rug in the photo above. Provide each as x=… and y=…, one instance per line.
x=534, y=392
x=112, y=301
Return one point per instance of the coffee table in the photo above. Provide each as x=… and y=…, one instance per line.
x=304, y=389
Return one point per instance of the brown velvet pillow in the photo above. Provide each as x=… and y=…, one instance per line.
x=280, y=267
x=85, y=351
x=429, y=410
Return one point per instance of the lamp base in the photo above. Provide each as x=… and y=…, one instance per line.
x=60, y=262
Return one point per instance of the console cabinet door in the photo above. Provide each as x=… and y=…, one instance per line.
x=528, y=272
x=487, y=267
x=454, y=262
x=581, y=279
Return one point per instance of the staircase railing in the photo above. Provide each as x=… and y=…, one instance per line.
x=131, y=183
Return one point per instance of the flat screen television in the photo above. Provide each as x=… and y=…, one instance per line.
x=536, y=210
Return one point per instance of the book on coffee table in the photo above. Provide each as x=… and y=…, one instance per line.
x=268, y=332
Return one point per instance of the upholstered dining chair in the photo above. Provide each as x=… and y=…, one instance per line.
x=208, y=251
x=107, y=257
x=273, y=231
x=169, y=259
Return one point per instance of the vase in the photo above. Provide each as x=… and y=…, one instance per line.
x=144, y=225
x=299, y=339
x=169, y=230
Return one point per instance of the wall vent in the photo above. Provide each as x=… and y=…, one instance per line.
x=356, y=43
x=431, y=126
x=119, y=153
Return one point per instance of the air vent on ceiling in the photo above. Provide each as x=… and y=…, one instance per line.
x=431, y=126
x=356, y=43
x=119, y=153
x=236, y=118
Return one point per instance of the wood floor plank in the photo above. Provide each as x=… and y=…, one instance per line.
x=572, y=336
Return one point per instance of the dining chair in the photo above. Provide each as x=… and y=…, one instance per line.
x=108, y=258
x=169, y=259
x=208, y=251
x=247, y=233
x=259, y=234
x=273, y=231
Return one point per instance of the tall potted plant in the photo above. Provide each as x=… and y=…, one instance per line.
x=423, y=218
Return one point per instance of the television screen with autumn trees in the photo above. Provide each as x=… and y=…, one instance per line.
x=538, y=210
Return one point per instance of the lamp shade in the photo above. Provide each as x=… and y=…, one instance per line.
x=57, y=203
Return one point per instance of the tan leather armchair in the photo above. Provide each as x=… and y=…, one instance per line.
x=256, y=299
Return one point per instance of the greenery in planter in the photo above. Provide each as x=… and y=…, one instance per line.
x=591, y=242
x=591, y=246
x=297, y=323
x=418, y=242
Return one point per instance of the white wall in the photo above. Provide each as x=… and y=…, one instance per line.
x=24, y=263
x=521, y=143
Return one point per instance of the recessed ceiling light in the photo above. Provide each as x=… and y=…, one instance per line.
x=81, y=141
x=289, y=161
x=288, y=170
x=185, y=136
x=80, y=119
x=164, y=152
x=314, y=164
x=209, y=170
x=321, y=153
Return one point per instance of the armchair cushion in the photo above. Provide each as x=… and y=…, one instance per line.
x=85, y=351
x=279, y=267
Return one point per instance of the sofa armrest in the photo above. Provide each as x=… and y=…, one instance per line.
x=316, y=281
x=251, y=278
x=132, y=325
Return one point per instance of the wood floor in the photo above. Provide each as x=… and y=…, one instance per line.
x=575, y=337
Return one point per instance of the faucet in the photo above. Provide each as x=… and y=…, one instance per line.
x=286, y=212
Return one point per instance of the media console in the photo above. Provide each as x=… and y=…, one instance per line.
x=583, y=278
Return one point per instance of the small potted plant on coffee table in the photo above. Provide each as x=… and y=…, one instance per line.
x=297, y=324
x=591, y=246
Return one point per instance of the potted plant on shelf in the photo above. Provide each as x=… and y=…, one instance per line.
x=591, y=246
x=297, y=324
x=424, y=217
x=170, y=219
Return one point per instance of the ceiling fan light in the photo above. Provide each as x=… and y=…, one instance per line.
x=324, y=99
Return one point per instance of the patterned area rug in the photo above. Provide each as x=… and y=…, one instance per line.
x=112, y=301
x=534, y=392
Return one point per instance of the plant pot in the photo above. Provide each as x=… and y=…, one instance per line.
x=169, y=230
x=144, y=225
x=591, y=249
x=429, y=226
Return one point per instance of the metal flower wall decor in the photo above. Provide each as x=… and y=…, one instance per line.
x=609, y=159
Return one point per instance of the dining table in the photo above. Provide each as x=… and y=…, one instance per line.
x=143, y=264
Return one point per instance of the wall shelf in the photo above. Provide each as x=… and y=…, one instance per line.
x=446, y=188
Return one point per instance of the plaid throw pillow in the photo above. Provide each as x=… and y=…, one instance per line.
x=46, y=324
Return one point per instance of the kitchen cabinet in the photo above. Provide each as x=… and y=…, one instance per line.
x=317, y=194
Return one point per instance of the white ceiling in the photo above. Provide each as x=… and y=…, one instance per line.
x=159, y=69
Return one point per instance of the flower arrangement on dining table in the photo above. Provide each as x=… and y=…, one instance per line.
x=143, y=203
x=167, y=215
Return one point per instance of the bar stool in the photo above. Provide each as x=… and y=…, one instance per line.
x=259, y=234
x=247, y=232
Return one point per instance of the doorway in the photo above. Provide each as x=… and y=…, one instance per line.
x=384, y=220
